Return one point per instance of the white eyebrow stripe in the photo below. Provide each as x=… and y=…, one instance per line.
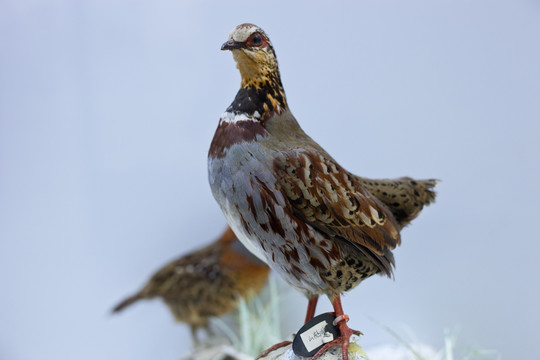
x=242, y=33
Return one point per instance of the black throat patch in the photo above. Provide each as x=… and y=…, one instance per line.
x=264, y=99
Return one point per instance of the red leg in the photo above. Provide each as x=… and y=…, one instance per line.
x=345, y=332
x=312, y=305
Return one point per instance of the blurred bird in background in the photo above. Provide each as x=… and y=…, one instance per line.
x=206, y=283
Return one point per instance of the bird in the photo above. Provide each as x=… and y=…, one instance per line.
x=205, y=283
x=320, y=227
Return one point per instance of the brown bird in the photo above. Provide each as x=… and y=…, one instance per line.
x=206, y=283
x=322, y=228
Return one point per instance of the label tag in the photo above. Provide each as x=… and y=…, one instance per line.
x=314, y=334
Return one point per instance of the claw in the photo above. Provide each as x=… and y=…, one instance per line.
x=345, y=332
x=342, y=340
x=340, y=321
x=272, y=348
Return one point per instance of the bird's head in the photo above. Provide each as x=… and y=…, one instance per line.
x=254, y=55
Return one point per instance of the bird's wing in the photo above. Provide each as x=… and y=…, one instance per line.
x=327, y=197
x=194, y=267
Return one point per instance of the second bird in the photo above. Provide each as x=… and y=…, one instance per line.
x=206, y=283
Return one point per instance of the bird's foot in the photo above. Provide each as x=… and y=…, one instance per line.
x=342, y=340
x=272, y=348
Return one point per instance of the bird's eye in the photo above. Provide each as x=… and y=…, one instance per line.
x=257, y=40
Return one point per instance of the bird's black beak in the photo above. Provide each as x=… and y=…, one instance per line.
x=231, y=45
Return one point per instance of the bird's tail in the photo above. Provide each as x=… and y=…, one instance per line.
x=130, y=300
x=404, y=196
x=424, y=189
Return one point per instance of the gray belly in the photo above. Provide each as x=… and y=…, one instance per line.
x=306, y=258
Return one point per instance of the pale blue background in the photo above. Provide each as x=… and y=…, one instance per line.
x=107, y=110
